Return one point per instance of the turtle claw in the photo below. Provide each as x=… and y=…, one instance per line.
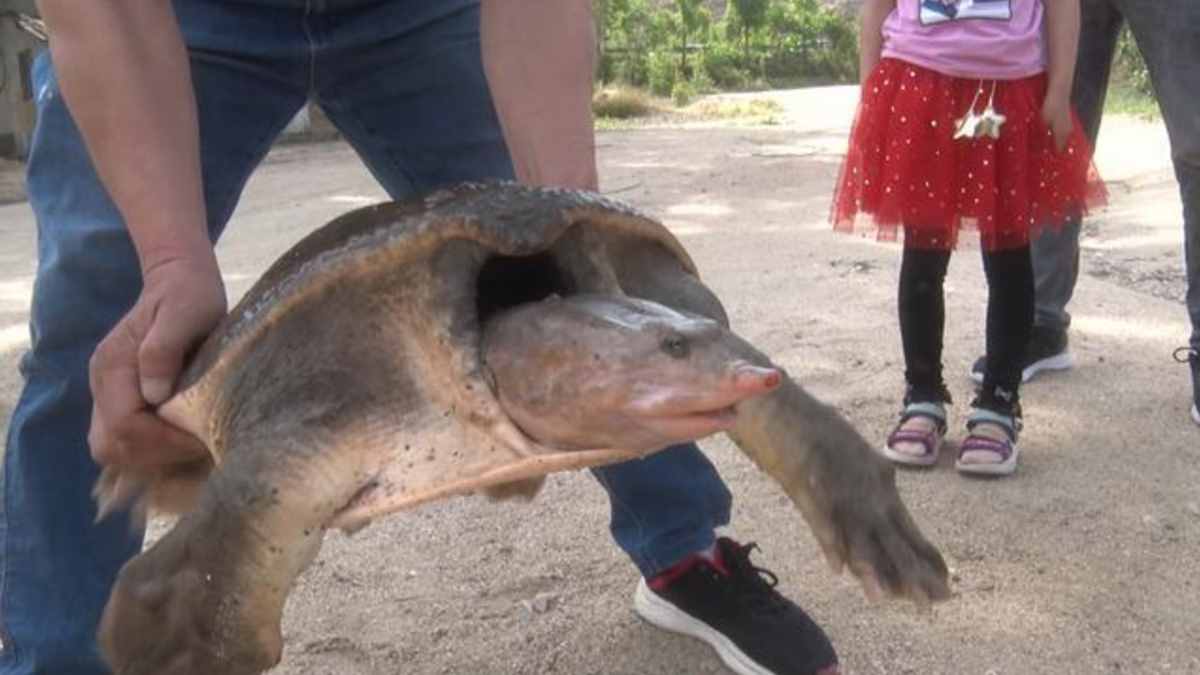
x=886, y=551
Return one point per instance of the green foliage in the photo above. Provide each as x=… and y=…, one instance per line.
x=625, y=31
x=662, y=73
x=701, y=81
x=1130, y=66
x=682, y=93
x=722, y=63
x=746, y=17
x=657, y=43
x=1130, y=91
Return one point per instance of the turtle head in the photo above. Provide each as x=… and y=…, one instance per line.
x=592, y=371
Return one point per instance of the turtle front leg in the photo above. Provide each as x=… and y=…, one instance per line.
x=209, y=596
x=844, y=490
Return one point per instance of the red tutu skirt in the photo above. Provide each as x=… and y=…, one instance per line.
x=904, y=168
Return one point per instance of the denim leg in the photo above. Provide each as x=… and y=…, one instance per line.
x=1168, y=33
x=1056, y=254
x=56, y=564
x=1055, y=257
x=665, y=506
x=413, y=103
x=417, y=108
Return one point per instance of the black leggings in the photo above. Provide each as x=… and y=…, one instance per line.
x=923, y=319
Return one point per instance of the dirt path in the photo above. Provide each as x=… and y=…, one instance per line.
x=1085, y=562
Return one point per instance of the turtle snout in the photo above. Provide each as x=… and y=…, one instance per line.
x=752, y=380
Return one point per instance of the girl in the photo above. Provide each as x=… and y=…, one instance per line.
x=964, y=121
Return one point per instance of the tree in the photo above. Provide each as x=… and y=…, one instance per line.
x=625, y=34
x=693, y=18
x=748, y=16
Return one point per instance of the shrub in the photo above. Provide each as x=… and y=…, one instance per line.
x=682, y=93
x=622, y=102
x=1130, y=64
x=722, y=63
x=662, y=73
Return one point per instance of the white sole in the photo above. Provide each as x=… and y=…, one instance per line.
x=1004, y=468
x=911, y=460
x=1195, y=414
x=663, y=614
x=1063, y=361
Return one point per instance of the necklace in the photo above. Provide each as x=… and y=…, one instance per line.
x=978, y=125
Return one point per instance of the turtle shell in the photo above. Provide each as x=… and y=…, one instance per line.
x=371, y=325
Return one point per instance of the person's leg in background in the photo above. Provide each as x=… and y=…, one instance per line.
x=56, y=564
x=1055, y=252
x=1168, y=34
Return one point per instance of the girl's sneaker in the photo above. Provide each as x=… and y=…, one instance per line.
x=989, y=454
x=926, y=436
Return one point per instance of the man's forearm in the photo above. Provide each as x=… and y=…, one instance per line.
x=123, y=71
x=1062, y=41
x=539, y=56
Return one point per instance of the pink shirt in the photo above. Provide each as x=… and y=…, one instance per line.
x=988, y=39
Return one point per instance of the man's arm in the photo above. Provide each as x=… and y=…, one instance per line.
x=870, y=38
x=539, y=56
x=124, y=74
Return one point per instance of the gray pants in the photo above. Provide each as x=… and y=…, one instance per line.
x=1168, y=33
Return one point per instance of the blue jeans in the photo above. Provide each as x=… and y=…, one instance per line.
x=403, y=82
x=1168, y=34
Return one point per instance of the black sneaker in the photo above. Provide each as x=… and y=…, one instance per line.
x=1192, y=357
x=734, y=607
x=1047, y=350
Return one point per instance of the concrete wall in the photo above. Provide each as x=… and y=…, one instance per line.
x=17, y=50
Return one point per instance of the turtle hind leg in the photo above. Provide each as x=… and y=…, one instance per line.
x=182, y=608
x=209, y=596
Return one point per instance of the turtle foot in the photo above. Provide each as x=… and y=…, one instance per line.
x=173, y=612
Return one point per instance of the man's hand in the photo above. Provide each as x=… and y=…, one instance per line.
x=124, y=73
x=1056, y=113
x=136, y=365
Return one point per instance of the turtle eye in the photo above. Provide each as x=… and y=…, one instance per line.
x=676, y=345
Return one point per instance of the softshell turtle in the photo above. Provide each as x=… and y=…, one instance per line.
x=473, y=339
